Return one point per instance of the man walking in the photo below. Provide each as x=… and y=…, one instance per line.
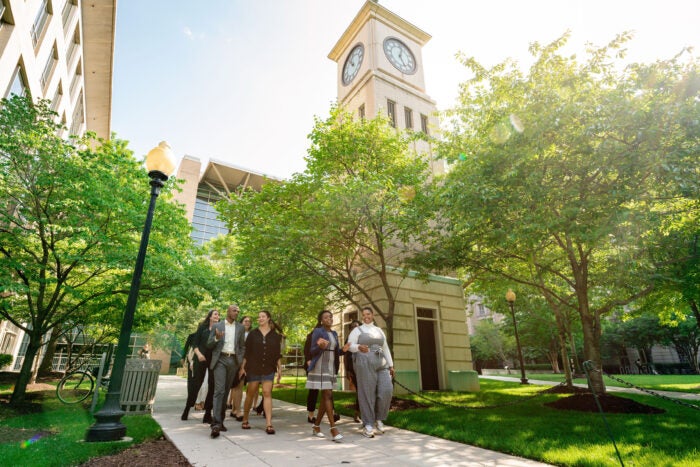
x=227, y=339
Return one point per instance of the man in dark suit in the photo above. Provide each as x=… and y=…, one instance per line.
x=227, y=341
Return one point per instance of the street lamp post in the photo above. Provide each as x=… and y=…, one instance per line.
x=108, y=427
x=510, y=298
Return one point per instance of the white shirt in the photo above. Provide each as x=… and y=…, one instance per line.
x=373, y=331
x=229, y=338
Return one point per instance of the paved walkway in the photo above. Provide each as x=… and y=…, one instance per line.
x=293, y=444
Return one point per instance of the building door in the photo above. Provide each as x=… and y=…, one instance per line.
x=427, y=344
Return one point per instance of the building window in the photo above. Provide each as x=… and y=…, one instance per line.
x=480, y=309
x=57, y=97
x=73, y=45
x=40, y=21
x=408, y=118
x=425, y=313
x=48, y=67
x=78, y=117
x=361, y=111
x=18, y=85
x=424, y=124
x=205, y=220
x=67, y=12
x=391, y=112
x=77, y=79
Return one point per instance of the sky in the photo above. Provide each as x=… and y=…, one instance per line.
x=241, y=81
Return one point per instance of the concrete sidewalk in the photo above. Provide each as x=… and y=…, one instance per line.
x=293, y=444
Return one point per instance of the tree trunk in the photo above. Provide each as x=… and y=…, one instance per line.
x=25, y=373
x=591, y=349
x=46, y=366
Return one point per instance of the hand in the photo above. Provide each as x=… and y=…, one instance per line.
x=363, y=348
x=346, y=347
x=279, y=377
x=241, y=373
x=201, y=358
x=323, y=343
x=219, y=334
x=391, y=372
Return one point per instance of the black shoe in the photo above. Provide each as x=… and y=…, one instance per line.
x=185, y=413
x=336, y=417
x=311, y=419
x=239, y=418
x=228, y=406
x=259, y=409
x=215, y=431
x=222, y=427
x=207, y=417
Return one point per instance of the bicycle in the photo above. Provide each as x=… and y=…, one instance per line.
x=77, y=385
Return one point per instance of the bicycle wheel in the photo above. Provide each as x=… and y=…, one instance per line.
x=75, y=387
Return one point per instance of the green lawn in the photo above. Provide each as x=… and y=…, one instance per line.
x=47, y=432
x=532, y=430
x=677, y=383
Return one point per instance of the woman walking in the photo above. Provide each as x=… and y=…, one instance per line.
x=325, y=353
x=374, y=369
x=350, y=370
x=262, y=359
x=202, y=357
x=237, y=389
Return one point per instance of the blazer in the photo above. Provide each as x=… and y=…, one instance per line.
x=317, y=351
x=217, y=346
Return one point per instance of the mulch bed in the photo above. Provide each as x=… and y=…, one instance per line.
x=158, y=452
x=582, y=400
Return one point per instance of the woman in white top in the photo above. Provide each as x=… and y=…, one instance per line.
x=374, y=368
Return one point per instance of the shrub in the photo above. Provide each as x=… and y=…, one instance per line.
x=5, y=359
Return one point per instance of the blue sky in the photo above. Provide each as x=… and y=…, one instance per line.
x=241, y=81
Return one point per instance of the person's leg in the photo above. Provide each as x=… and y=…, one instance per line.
x=237, y=399
x=384, y=392
x=231, y=370
x=209, y=400
x=366, y=390
x=311, y=399
x=194, y=382
x=249, y=396
x=220, y=391
x=267, y=401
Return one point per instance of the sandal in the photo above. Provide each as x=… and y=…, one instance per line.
x=245, y=425
x=270, y=430
x=337, y=436
x=316, y=431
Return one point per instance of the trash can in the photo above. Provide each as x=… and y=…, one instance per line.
x=139, y=385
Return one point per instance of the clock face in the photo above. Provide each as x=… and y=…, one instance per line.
x=353, y=63
x=400, y=55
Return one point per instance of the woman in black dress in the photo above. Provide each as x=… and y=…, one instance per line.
x=262, y=359
x=202, y=357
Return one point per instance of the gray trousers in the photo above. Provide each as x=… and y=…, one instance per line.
x=374, y=388
x=224, y=372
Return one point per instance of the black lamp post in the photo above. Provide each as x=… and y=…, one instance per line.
x=108, y=427
x=510, y=298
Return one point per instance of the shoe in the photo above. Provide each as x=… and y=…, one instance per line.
x=229, y=406
x=316, y=431
x=336, y=417
x=259, y=409
x=185, y=413
x=337, y=436
x=311, y=419
x=222, y=428
x=270, y=430
x=207, y=417
x=239, y=418
x=215, y=431
x=245, y=425
x=367, y=432
x=380, y=427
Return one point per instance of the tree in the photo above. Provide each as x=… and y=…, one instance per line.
x=559, y=176
x=71, y=216
x=338, y=229
x=684, y=335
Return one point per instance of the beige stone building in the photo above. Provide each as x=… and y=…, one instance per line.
x=380, y=71
x=60, y=50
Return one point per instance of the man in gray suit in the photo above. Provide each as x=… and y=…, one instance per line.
x=227, y=339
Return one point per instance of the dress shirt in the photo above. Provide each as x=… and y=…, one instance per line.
x=229, y=338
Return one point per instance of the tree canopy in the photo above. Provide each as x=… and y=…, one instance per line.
x=560, y=176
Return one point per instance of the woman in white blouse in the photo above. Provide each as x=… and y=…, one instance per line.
x=374, y=368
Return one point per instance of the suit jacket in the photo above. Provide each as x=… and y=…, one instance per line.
x=217, y=347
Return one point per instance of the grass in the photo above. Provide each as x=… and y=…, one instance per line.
x=46, y=432
x=532, y=430
x=676, y=383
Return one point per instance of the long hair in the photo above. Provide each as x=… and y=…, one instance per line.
x=205, y=322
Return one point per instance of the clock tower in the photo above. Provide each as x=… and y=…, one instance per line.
x=380, y=70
